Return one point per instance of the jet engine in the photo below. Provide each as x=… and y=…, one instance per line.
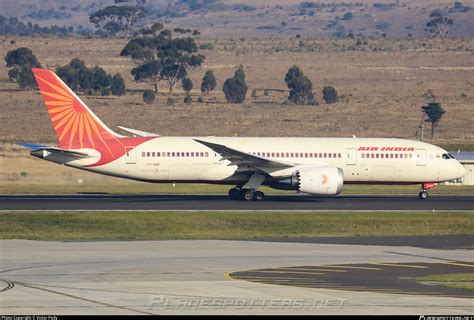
x=317, y=180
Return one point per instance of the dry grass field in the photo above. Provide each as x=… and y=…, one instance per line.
x=382, y=86
x=381, y=91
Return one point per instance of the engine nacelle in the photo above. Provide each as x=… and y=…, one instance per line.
x=319, y=180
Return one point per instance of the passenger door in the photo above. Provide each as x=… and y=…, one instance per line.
x=130, y=155
x=420, y=157
x=351, y=156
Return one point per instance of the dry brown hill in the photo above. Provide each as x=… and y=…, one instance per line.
x=267, y=18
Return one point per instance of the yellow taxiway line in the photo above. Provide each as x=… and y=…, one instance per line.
x=400, y=265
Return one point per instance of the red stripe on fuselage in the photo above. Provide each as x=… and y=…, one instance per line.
x=110, y=149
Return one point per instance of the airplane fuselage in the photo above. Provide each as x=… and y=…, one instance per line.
x=362, y=160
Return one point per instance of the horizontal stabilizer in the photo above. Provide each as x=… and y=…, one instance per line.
x=42, y=151
x=139, y=133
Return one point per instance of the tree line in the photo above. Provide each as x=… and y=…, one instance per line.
x=76, y=74
x=13, y=26
x=158, y=57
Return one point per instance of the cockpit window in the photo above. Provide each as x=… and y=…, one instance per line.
x=447, y=156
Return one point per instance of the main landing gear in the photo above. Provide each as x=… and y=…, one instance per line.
x=237, y=193
x=248, y=191
x=424, y=187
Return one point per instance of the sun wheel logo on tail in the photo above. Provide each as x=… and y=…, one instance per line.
x=75, y=124
x=320, y=180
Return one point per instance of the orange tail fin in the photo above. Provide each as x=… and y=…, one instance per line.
x=75, y=124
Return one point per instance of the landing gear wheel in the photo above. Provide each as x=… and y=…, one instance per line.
x=235, y=194
x=259, y=195
x=423, y=195
x=248, y=195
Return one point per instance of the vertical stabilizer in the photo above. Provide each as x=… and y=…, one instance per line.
x=75, y=124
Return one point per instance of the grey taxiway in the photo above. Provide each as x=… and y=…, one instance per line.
x=226, y=277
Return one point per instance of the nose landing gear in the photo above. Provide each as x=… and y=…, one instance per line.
x=423, y=195
x=424, y=187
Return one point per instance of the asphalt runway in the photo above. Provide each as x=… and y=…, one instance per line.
x=215, y=277
x=222, y=202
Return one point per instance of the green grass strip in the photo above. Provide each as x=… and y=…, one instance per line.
x=227, y=225
x=451, y=280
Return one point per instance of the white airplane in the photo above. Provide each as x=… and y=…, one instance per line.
x=317, y=166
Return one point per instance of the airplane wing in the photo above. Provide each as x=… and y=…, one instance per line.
x=139, y=133
x=245, y=161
